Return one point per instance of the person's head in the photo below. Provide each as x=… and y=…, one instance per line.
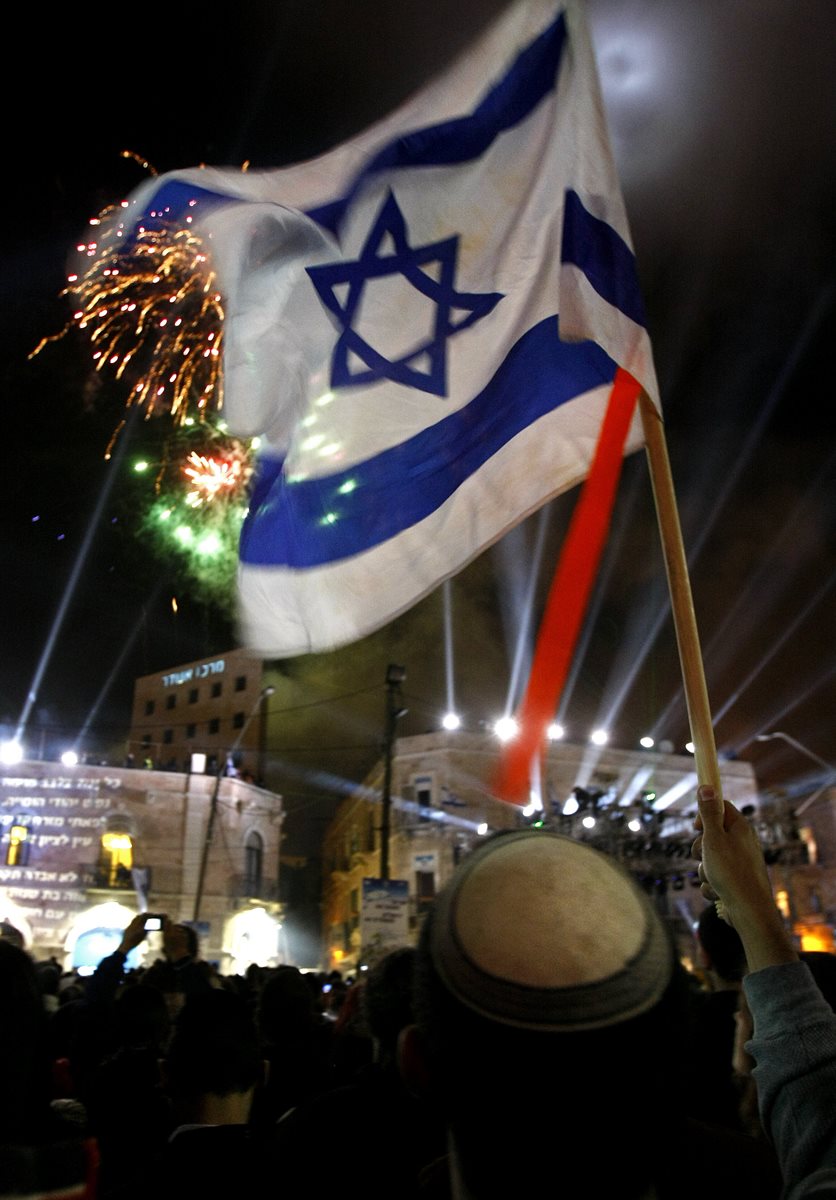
x=11, y=934
x=179, y=941
x=141, y=1017
x=25, y=1094
x=286, y=1006
x=721, y=948
x=213, y=1063
x=387, y=1000
x=545, y=977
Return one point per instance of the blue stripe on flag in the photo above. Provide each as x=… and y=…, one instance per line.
x=308, y=523
x=172, y=202
x=529, y=80
x=603, y=256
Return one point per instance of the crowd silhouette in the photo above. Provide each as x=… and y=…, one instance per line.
x=542, y=1032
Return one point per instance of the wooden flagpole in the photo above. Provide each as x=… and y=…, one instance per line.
x=679, y=585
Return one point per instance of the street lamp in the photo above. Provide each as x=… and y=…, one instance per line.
x=779, y=733
x=213, y=803
x=394, y=678
x=811, y=754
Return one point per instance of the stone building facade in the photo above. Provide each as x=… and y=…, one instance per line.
x=636, y=804
x=84, y=848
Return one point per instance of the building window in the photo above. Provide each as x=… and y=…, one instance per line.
x=238, y=721
x=17, y=851
x=146, y=741
x=240, y=683
x=149, y=708
x=168, y=737
x=423, y=786
x=117, y=858
x=214, y=725
x=424, y=889
x=170, y=701
x=253, y=863
x=193, y=693
x=217, y=688
x=191, y=731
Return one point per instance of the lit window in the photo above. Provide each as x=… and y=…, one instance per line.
x=117, y=858
x=17, y=851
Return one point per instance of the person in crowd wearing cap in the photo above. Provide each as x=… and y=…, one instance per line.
x=550, y=1027
x=793, y=1043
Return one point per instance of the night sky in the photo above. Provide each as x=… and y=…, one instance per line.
x=723, y=122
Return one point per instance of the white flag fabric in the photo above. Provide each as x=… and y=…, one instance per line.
x=423, y=325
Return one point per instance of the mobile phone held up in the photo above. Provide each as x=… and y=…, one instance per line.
x=154, y=921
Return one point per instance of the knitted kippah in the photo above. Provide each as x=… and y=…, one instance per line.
x=542, y=932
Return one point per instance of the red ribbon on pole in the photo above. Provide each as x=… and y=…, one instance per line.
x=569, y=594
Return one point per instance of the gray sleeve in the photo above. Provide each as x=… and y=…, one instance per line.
x=794, y=1048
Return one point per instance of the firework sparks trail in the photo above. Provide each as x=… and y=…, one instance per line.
x=151, y=309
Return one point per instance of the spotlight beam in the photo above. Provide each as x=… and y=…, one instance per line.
x=75, y=574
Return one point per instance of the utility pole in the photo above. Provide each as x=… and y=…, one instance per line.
x=394, y=678
x=213, y=803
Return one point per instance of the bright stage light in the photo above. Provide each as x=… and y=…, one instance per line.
x=690, y=747
x=482, y=829
x=647, y=742
x=69, y=758
x=11, y=753
x=554, y=732
x=571, y=806
x=635, y=826
x=599, y=737
x=451, y=720
x=588, y=822
x=506, y=728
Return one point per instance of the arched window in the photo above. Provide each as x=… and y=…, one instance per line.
x=253, y=863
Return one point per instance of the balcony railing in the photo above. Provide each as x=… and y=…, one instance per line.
x=244, y=887
x=101, y=878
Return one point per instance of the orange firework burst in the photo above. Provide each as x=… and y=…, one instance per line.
x=151, y=310
x=212, y=477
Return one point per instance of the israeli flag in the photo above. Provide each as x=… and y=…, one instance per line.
x=423, y=325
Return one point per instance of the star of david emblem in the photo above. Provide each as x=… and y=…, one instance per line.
x=454, y=311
